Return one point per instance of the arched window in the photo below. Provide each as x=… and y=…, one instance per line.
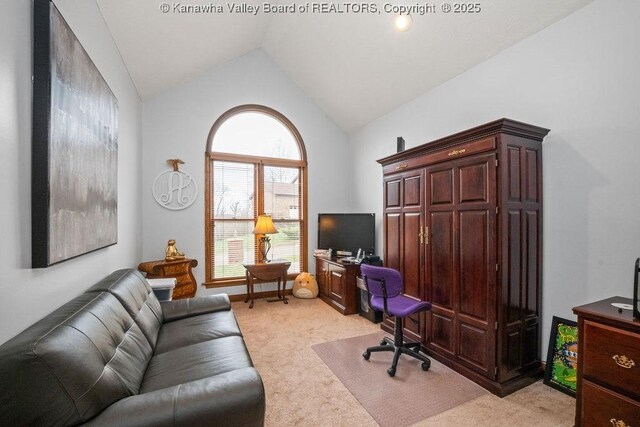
x=255, y=164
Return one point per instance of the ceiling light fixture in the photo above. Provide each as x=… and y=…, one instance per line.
x=402, y=23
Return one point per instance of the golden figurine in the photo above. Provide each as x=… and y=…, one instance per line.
x=172, y=253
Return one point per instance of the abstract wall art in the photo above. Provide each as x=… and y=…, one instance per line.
x=74, y=146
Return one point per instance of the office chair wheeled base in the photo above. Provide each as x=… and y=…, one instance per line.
x=398, y=346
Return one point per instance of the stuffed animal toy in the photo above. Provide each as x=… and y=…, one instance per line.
x=305, y=286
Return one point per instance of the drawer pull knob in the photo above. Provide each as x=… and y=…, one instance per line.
x=618, y=423
x=399, y=168
x=624, y=361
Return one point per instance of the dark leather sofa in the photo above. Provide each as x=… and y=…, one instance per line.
x=116, y=356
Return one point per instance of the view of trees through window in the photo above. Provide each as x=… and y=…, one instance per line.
x=256, y=167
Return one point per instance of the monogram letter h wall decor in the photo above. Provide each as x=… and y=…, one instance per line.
x=174, y=189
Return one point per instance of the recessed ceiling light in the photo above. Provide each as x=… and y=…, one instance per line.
x=402, y=22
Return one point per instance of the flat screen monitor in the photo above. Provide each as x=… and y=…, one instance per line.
x=347, y=232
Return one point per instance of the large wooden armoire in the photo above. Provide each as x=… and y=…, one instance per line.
x=463, y=224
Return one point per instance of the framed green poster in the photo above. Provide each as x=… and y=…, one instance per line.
x=562, y=356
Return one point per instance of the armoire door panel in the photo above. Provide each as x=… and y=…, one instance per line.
x=531, y=339
x=531, y=162
x=441, y=333
x=513, y=168
x=411, y=254
x=404, y=196
x=412, y=190
x=441, y=187
x=392, y=193
x=531, y=256
x=473, y=346
x=392, y=240
x=514, y=285
x=473, y=183
x=442, y=262
x=412, y=326
x=514, y=350
x=473, y=261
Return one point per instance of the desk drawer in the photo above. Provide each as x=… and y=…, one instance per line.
x=612, y=357
x=603, y=407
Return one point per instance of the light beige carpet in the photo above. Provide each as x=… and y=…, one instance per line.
x=411, y=396
x=302, y=391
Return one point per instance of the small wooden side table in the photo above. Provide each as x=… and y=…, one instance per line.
x=267, y=272
x=180, y=269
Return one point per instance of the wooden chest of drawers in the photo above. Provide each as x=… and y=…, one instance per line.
x=608, y=365
x=180, y=269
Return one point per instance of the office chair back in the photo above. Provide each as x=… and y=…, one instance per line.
x=381, y=282
x=385, y=287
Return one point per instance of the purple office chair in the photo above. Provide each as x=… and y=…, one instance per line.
x=385, y=294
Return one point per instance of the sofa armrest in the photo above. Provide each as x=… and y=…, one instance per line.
x=181, y=308
x=234, y=398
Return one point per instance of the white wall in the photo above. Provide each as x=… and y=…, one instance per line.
x=580, y=78
x=27, y=294
x=176, y=124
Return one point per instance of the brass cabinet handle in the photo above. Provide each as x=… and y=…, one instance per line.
x=424, y=235
x=400, y=167
x=624, y=362
x=618, y=423
x=456, y=152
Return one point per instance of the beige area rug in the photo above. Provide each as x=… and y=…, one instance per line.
x=412, y=395
x=303, y=392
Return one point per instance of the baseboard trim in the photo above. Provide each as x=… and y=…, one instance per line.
x=258, y=295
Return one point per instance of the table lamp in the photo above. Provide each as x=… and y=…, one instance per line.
x=264, y=226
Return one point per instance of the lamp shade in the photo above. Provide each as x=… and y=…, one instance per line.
x=264, y=225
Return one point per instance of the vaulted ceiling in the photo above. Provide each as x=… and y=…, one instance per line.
x=355, y=66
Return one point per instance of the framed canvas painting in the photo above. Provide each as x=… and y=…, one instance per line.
x=562, y=356
x=74, y=147
x=636, y=291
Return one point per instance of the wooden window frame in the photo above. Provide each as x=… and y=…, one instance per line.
x=259, y=164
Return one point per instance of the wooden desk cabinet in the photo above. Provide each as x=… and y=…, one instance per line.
x=337, y=284
x=608, y=365
x=180, y=269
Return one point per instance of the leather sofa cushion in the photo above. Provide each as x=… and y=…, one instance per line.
x=133, y=291
x=195, y=362
x=181, y=308
x=71, y=365
x=196, y=329
x=232, y=399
